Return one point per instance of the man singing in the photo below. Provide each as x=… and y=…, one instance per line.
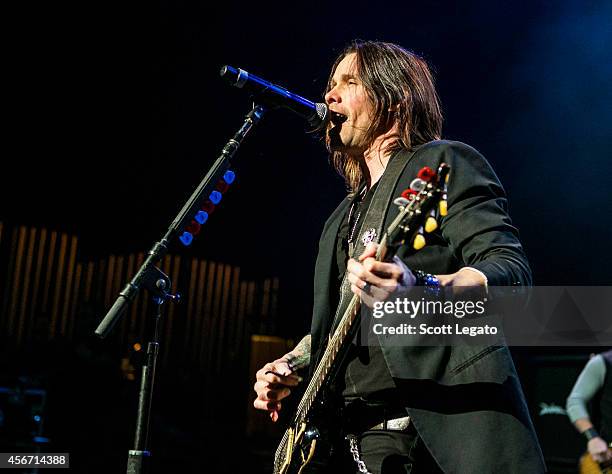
x=413, y=409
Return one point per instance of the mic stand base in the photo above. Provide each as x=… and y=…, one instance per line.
x=138, y=461
x=138, y=458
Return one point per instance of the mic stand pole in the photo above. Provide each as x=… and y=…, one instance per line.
x=153, y=279
x=139, y=456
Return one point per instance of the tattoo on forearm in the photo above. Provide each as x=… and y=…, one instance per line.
x=299, y=357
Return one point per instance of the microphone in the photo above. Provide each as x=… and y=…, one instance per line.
x=316, y=114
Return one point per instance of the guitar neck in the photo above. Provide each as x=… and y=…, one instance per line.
x=327, y=363
x=329, y=360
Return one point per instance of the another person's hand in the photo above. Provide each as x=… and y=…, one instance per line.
x=272, y=388
x=598, y=449
x=373, y=280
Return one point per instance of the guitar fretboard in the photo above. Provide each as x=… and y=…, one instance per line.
x=319, y=378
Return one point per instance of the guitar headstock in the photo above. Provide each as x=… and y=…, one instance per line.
x=421, y=208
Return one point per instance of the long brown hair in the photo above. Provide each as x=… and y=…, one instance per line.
x=401, y=87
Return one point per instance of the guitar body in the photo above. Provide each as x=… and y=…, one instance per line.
x=297, y=449
x=587, y=465
x=309, y=443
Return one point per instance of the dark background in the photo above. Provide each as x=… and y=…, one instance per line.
x=115, y=111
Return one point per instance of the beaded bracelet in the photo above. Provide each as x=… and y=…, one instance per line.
x=427, y=280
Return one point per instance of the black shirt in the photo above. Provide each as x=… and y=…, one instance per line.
x=364, y=373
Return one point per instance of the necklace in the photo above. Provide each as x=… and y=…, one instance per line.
x=353, y=220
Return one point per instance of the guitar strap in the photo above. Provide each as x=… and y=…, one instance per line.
x=372, y=224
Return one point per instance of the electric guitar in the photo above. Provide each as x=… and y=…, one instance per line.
x=587, y=465
x=418, y=209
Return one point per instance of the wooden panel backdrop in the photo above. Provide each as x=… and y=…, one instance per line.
x=49, y=292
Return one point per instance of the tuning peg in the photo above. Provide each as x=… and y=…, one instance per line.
x=431, y=224
x=417, y=184
x=401, y=202
x=419, y=240
x=409, y=194
x=426, y=173
x=443, y=206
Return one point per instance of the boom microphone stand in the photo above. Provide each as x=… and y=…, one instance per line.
x=151, y=278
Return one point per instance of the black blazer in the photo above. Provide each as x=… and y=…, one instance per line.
x=466, y=402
